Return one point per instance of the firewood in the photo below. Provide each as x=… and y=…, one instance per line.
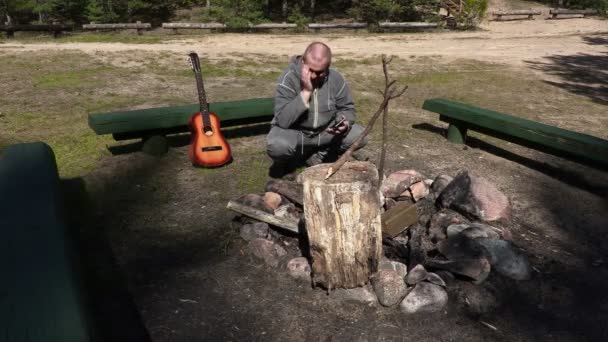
x=282, y=222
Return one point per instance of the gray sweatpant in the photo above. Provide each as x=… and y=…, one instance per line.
x=292, y=144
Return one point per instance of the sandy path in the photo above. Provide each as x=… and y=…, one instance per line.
x=502, y=42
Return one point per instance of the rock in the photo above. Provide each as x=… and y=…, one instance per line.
x=419, y=191
x=428, y=182
x=397, y=182
x=396, y=266
x=299, y=268
x=441, y=220
x=476, y=197
x=272, y=200
x=291, y=190
x=474, y=231
x=506, y=259
x=475, y=269
x=425, y=297
x=416, y=275
x=255, y=201
x=288, y=211
x=267, y=250
x=389, y=287
x=460, y=247
x=435, y=279
x=440, y=183
x=358, y=295
x=447, y=277
x=255, y=230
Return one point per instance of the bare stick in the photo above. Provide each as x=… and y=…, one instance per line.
x=388, y=94
x=384, y=138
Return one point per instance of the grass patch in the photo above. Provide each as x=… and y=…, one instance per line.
x=70, y=79
x=91, y=37
x=47, y=96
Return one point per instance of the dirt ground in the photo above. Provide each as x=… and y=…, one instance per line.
x=164, y=262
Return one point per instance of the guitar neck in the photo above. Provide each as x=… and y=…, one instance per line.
x=202, y=99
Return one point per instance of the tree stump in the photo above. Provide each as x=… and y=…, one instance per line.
x=343, y=224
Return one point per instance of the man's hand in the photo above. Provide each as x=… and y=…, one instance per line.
x=305, y=78
x=339, y=129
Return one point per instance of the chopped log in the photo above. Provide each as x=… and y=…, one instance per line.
x=292, y=190
x=343, y=224
x=399, y=218
x=207, y=26
x=275, y=26
x=138, y=26
x=407, y=25
x=337, y=25
x=282, y=222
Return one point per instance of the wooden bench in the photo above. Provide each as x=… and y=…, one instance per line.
x=462, y=117
x=194, y=26
x=354, y=26
x=555, y=12
x=516, y=14
x=139, y=26
x=274, y=26
x=55, y=28
x=154, y=124
x=407, y=25
x=41, y=295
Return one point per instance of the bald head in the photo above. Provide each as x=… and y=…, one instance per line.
x=318, y=54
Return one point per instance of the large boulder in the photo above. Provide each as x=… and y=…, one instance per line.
x=251, y=231
x=267, y=250
x=358, y=295
x=441, y=221
x=299, y=269
x=476, y=197
x=440, y=183
x=398, y=182
x=425, y=297
x=389, y=287
x=506, y=259
x=396, y=266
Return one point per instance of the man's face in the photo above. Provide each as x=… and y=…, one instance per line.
x=318, y=69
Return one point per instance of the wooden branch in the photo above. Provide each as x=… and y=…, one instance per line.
x=263, y=216
x=388, y=94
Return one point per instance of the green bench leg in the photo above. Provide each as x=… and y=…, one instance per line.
x=155, y=145
x=457, y=134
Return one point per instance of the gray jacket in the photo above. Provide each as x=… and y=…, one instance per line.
x=332, y=100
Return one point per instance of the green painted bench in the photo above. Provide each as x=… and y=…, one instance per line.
x=561, y=142
x=41, y=297
x=152, y=125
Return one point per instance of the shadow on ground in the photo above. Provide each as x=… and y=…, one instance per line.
x=575, y=178
x=582, y=74
x=183, y=139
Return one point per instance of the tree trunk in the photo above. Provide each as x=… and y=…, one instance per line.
x=312, y=8
x=284, y=9
x=343, y=224
x=208, y=4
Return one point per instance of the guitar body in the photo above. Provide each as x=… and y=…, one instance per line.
x=207, y=150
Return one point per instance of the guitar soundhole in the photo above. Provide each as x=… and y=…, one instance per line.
x=207, y=130
x=211, y=148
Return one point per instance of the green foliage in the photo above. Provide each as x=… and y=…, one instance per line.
x=235, y=13
x=473, y=12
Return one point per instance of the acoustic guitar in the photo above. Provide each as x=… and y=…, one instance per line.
x=208, y=148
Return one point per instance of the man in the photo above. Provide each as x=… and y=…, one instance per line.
x=314, y=114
